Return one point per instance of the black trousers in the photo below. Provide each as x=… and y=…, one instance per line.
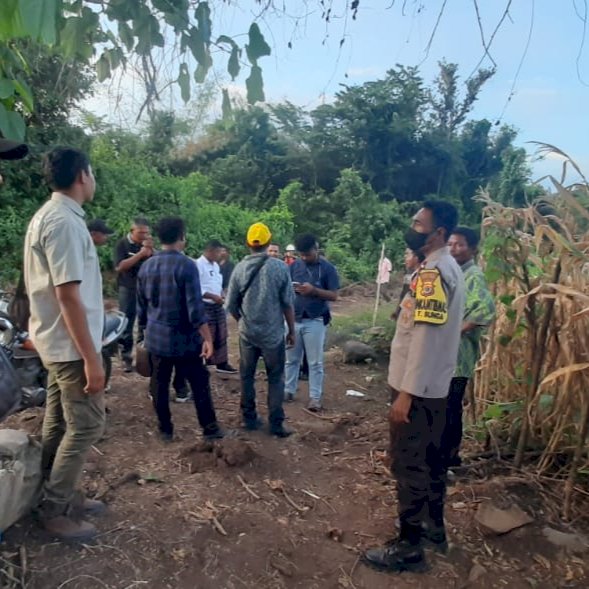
x=179, y=382
x=217, y=321
x=452, y=437
x=193, y=369
x=416, y=463
x=274, y=359
x=128, y=306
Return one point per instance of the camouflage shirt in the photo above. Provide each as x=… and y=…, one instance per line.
x=479, y=309
x=262, y=309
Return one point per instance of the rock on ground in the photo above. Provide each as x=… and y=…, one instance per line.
x=500, y=521
x=573, y=542
x=356, y=352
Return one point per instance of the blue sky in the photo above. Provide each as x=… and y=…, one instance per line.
x=549, y=94
x=550, y=99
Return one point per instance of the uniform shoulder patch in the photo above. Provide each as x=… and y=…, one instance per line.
x=431, y=304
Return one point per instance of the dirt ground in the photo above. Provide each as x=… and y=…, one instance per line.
x=257, y=512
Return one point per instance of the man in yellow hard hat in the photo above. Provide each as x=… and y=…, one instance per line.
x=261, y=298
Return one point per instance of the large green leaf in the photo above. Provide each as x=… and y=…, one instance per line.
x=12, y=125
x=38, y=18
x=200, y=74
x=115, y=57
x=233, y=65
x=147, y=30
x=126, y=35
x=25, y=93
x=257, y=46
x=255, y=86
x=175, y=13
x=76, y=35
x=184, y=82
x=103, y=67
x=196, y=43
x=123, y=10
x=6, y=88
x=11, y=25
x=203, y=17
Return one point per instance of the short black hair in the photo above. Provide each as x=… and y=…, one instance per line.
x=444, y=215
x=258, y=249
x=170, y=230
x=142, y=222
x=470, y=235
x=274, y=243
x=306, y=242
x=62, y=165
x=213, y=244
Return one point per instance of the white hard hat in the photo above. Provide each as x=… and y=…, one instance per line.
x=291, y=248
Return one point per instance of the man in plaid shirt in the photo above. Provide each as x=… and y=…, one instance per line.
x=177, y=336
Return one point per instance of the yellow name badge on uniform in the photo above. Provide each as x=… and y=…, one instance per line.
x=431, y=305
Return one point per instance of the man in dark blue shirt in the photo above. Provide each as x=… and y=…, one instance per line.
x=316, y=283
x=172, y=313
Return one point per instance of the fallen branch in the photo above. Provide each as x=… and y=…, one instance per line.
x=10, y=577
x=248, y=488
x=83, y=577
x=208, y=515
x=297, y=507
x=278, y=486
x=354, y=567
x=319, y=499
x=217, y=525
x=97, y=451
x=23, y=564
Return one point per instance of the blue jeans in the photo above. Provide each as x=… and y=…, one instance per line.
x=310, y=338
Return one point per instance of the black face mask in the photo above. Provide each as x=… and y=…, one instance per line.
x=415, y=240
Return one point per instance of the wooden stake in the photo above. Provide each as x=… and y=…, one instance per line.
x=376, y=303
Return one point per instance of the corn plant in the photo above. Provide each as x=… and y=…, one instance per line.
x=534, y=372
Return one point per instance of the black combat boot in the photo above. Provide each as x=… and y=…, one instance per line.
x=434, y=531
x=435, y=538
x=405, y=553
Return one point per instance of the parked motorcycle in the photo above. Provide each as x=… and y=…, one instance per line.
x=115, y=323
x=22, y=374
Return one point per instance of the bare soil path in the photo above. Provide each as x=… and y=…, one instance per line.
x=257, y=512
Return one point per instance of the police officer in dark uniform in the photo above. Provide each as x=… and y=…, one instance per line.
x=423, y=359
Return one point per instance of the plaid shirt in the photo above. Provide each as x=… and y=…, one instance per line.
x=170, y=305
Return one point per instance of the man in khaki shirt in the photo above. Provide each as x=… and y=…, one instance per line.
x=423, y=359
x=64, y=285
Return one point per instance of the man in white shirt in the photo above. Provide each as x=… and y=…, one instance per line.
x=211, y=284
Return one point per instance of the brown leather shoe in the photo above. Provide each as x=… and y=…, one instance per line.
x=65, y=528
x=93, y=507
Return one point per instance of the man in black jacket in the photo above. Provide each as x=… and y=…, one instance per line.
x=130, y=254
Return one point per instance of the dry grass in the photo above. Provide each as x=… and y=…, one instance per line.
x=536, y=360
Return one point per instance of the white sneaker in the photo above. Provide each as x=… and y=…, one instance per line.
x=183, y=399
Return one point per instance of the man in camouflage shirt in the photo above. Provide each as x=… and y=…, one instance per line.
x=479, y=312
